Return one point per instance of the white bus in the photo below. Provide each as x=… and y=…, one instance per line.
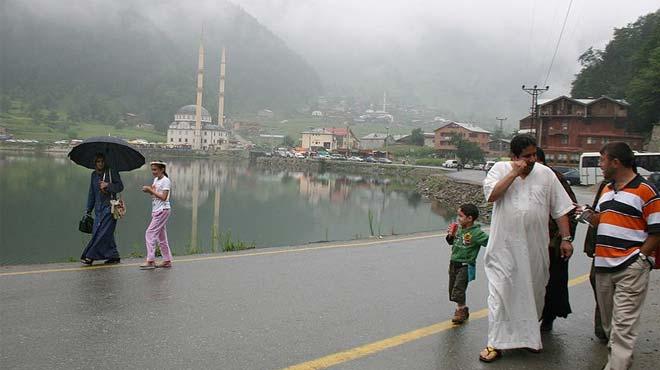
x=590, y=172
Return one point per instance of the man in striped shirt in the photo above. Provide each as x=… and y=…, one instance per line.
x=628, y=222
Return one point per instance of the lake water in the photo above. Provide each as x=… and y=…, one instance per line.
x=43, y=196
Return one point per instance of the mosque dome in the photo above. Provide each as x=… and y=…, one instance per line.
x=187, y=113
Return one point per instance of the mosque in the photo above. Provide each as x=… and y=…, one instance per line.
x=182, y=131
x=193, y=126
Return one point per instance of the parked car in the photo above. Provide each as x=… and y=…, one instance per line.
x=384, y=160
x=489, y=165
x=323, y=156
x=299, y=156
x=563, y=170
x=572, y=177
x=479, y=166
x=355, y=159
x=337, y=157
x=468, y=166
x=451, y=163
x=371, y=160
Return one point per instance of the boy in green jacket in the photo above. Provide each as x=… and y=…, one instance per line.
x=466, y=238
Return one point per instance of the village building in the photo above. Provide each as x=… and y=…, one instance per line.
x=376, y=141
x=330, y=139
x=469, y=132
x=181, y=132
x=499, y=148
x=567, y=127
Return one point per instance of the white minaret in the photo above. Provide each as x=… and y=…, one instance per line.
x=384, y=101
x=221, y=92
x=197, y=143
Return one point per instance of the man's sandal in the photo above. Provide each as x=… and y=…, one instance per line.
x=490, y=354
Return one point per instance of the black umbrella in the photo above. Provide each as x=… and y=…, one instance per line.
x=118, y=154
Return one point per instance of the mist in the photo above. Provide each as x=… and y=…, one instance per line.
x=468, y=59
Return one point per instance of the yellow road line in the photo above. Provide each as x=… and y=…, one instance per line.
x=241, y=255
x=381, y=345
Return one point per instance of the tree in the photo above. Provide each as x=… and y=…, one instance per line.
x=5, y=104
x=53, y=116
x=467, y=151
x=417, y=137
x=644, y=92
x=288, y=141
x=626, y=68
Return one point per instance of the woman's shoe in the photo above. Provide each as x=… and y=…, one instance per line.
x=112, y=261
x=86, y=261
x=164, y=264
x=149, y=265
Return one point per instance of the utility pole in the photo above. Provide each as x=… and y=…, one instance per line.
x=501, y=122
x=500, y=145
x=535, y=92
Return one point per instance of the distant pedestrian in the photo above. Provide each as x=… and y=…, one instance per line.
x=160, y=212
x=466, y=238
x=104, y=186
x=556, y=292
x=627, y=219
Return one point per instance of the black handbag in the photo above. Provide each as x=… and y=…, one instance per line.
x=86, y=225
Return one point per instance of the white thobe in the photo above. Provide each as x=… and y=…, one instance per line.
x=516, y=258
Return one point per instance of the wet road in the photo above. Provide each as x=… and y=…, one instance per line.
x=277, y=308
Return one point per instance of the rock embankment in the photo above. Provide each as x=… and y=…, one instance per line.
x=445, y=190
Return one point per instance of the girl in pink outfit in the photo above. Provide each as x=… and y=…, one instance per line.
x=160, y=212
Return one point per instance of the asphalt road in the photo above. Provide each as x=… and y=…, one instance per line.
x=275, y=308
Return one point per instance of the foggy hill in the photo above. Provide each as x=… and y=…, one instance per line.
x=97, y=59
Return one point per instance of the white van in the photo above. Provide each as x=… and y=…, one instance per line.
x=451, y=163
x=489, y=165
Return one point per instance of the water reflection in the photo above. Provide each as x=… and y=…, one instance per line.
x=209, y=199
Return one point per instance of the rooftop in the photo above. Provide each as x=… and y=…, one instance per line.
x=375, y=136
x=467, y=126
x=587, y=101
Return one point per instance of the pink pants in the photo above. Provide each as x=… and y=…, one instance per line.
x=157, y=232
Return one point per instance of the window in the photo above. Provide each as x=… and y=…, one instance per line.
x=472, y=134
x=179, y=139
x=186, y=140
x=564, y=140
x=564, y=126
x=171, y=140
x=606, y=140
x=590, y=140
x=590, y=161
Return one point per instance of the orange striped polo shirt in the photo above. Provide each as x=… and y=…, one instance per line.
x=627, y=217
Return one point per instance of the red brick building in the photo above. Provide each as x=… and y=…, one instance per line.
x=469, y=132
x=569, y=127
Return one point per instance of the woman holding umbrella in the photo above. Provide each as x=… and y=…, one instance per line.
x=105, y=185
x=106, y=156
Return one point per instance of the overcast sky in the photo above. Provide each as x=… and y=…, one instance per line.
x=520, y=33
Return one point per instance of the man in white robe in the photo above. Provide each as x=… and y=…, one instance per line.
x=525, y=194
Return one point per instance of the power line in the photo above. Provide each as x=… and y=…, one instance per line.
x=547, y=76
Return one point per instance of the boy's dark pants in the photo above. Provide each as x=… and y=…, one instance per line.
x=458, y=282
